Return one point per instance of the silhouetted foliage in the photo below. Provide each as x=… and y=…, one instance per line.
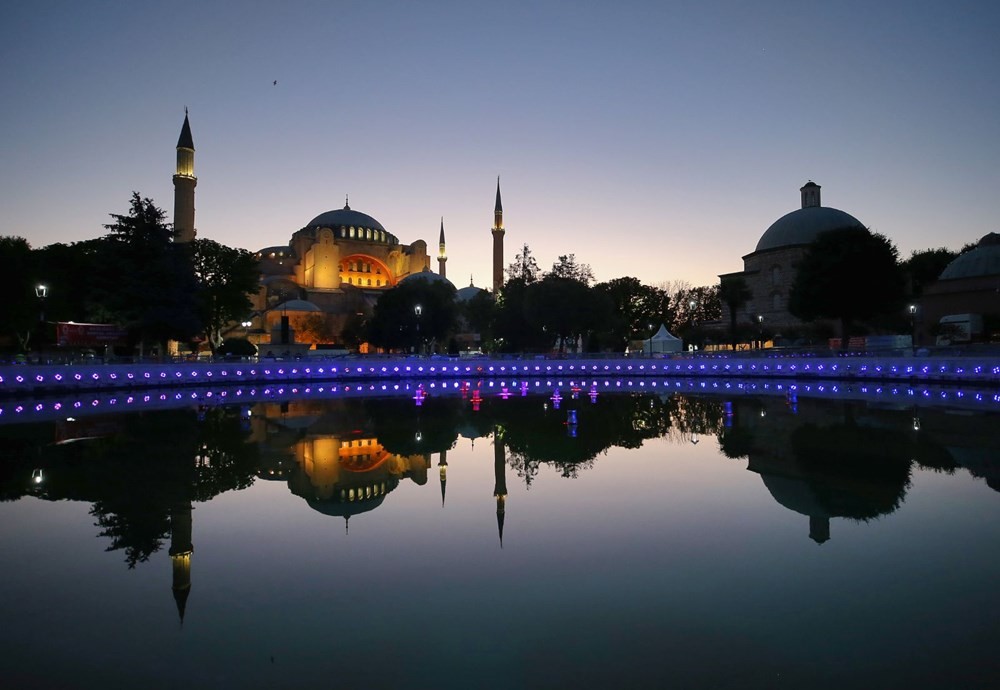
x=849, y=274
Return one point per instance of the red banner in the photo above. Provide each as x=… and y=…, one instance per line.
x=88, y=334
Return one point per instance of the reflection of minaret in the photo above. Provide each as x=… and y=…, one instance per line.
x=497, y=244
x=819, y=529
x=184, y=184
x=500, y=487
x=180, y=554
x=443, y=464
x=442, y=257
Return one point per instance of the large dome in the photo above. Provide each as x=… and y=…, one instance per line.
x=345, y=217
x=803, y=226
x=984, y=260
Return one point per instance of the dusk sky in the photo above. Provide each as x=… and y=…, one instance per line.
x=652, y=139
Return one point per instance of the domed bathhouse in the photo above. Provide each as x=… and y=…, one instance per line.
x=769, y=270
x=965, y=297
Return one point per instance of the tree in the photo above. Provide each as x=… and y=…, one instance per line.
x=637, y=310
x=848, y=274
x=524, y=267
x=19, y=313
x=924, y=267
x=512, y=331
x=396, y=324
x=565, y=309
x=145, y=280
x=734, y=293
x=226, y=278
x=567, y=267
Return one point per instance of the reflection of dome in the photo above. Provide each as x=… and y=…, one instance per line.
x=344, y=218
x=296, y=305
x=803, y=226
x=984, y=260
x=428, y=275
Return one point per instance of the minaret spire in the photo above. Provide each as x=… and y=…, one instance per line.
x=442, y=257
x=500, y=480
x=498, y=233
x=184, y=184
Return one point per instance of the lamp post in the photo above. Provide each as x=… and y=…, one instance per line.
x=41, y=291
x=913, y=325
x=246, y=329
x=650, y=339
x=418, y=310
x=760, y=331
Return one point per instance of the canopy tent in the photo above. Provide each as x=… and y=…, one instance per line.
x=662, y=341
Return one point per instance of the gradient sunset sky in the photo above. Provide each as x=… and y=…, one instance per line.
x=652, y=139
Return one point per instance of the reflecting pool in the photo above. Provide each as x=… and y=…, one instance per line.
x=543, y=536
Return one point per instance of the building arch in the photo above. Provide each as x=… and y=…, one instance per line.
x=364, y=270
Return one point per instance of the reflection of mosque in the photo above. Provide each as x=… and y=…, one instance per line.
x=831, y=459
x=824, y=459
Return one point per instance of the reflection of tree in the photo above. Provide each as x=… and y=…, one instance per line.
x=535, y=432
x=403, y=428
x=145, y=467
x=855, y=471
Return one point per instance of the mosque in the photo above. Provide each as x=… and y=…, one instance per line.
x=333, y=268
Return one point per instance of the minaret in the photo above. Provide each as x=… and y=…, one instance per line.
x=180, y=554
x=184, y=184
x=442, y=257
x=443, y=464
x=497, y=244
x=500, y=480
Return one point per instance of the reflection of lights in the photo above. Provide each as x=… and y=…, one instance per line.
x=36, y=476
x=763, y=413
x=916, y=423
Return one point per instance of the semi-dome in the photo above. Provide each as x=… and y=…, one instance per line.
x=345, y=217
x=297, y=305
x=804, y=225
x=984, y=260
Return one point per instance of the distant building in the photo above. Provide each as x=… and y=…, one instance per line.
x=969, y=285
x=769, y=270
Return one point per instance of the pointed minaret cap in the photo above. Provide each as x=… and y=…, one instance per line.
x=186, y=141
x=499, y=207
x=441, y=236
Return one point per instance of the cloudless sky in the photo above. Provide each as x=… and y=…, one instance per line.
x=652, y=139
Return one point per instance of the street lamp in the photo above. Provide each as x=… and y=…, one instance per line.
x=650, y=338
x=418, y=310
x=41, y=291
x=246, y=329
x=760, y=331
x=913, y=324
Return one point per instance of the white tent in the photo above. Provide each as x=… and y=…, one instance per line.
x=662, y=341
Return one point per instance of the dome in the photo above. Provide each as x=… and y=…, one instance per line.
x=344, y=217
x=467, y=293
x=428, y=275
x=803, y=226
x=984, y=260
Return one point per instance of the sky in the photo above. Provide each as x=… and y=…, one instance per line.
x=657, y=140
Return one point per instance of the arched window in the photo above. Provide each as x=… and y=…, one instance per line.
x=775, y=275
x=352, y=232
x=343, y=231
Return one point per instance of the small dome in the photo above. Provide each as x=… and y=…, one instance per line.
x=428, y=275
x=984, y=260
x=467, y=293
x=803, y=226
